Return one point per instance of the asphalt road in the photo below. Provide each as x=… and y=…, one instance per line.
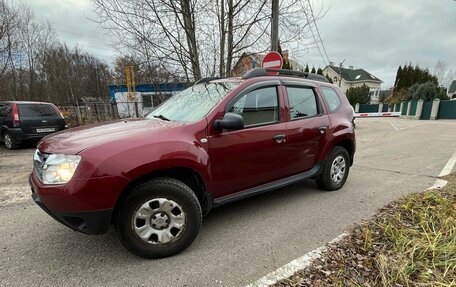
x=238, y=243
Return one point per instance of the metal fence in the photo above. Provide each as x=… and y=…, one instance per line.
x=77, y=115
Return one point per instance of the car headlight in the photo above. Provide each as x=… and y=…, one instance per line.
x=59, y=168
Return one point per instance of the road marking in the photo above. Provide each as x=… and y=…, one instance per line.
x=294, y=266
x=439, y=183
x=394, y=127
x=449, y=166
x=403, y=128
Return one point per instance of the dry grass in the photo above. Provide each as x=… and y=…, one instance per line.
x=411, y=242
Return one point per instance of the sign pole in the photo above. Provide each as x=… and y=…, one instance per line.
x=275, y=26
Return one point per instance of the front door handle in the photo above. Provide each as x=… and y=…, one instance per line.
x=323, y=129
x=279, y=138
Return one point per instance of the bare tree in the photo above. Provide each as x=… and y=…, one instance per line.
x=167, y=27
x=35, y=38
x=8, y=26
x=443, y=74
x=199, y=37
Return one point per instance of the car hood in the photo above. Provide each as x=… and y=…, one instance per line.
x=75, y=140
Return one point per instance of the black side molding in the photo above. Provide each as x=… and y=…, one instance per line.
x=315, y=171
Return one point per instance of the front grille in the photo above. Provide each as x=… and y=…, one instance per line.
x=39, y=159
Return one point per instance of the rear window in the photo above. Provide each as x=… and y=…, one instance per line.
x=37, y=110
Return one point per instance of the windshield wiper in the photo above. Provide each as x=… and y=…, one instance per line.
x=162, y=117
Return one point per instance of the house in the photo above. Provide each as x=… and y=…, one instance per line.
x=350, y=77
x=452, y=91
x=249, y=61
x=145, y=98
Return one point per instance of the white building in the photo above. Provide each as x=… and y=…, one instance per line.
x=351, y=77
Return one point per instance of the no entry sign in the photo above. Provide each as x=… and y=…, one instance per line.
x=272, y=60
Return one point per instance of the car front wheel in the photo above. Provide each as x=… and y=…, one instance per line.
x=159, y=218
x=335, y=170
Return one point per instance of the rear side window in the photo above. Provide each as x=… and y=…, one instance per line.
x=37, y=110
x=5, y=111
x=302, y=102
x=258, y=107
x=331, y=97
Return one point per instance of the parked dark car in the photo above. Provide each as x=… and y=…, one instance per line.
x=23, y=121
x=218, y=141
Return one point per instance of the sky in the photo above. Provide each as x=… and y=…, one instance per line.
x=377, y=36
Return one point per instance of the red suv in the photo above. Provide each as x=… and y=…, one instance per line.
x=218, y=141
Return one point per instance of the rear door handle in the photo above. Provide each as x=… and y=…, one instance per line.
x=322, y=129
x=279, y=138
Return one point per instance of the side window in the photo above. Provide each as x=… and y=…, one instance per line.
x=5, y=111
x=302, y=102
x=258, y=107
x=331, y=98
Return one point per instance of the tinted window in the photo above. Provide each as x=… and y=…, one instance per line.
x=258, y=107
x=302, y=102
x=37, y=110
x=331, y=98
x=3, y=110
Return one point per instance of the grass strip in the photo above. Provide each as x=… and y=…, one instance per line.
x=410, y=242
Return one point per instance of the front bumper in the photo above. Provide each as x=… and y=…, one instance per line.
x=91, y=222
x=85, y=205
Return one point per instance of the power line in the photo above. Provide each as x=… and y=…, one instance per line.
x=318, y=32
x=313, y=34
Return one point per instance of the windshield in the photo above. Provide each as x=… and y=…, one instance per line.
x=193, y=103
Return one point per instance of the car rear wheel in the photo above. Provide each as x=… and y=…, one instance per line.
x=335, y=171
x=159, y=218
x=10, y=142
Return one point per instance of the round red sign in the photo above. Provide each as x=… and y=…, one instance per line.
x=272, y=60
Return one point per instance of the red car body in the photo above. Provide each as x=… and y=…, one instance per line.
x=223, y=165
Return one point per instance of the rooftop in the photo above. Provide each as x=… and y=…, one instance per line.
x=354, y=75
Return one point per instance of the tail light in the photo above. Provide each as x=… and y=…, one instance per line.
x=16, y=118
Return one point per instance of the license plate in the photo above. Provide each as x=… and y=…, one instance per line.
x=45, y=130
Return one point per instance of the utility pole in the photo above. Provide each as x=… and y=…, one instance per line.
x=340, y=72
x=275, y=26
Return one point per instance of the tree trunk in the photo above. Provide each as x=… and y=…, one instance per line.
x=229, y=56
x=222, y=37
x=189, y=27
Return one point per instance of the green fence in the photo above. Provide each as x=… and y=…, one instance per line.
x=385, y=108
x=364, y=108
x=404, y=108
x=426, y=113
x=413, y=105
x=447, y=110
x=398, y=108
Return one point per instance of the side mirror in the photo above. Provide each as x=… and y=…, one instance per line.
x=230, y=121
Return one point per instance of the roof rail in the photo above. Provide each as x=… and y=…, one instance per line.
x=207, y=79
x=260, y=72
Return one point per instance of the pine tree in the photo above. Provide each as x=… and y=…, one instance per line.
x=398, y=78
x=306, y=69
x=320, y=71
x=313, y=70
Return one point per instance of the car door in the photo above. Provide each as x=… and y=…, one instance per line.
x=245, y=158
x=307, y=126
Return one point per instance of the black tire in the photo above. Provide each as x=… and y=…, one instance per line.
x=176, y=193
x=325, y=180
x=10, y=142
